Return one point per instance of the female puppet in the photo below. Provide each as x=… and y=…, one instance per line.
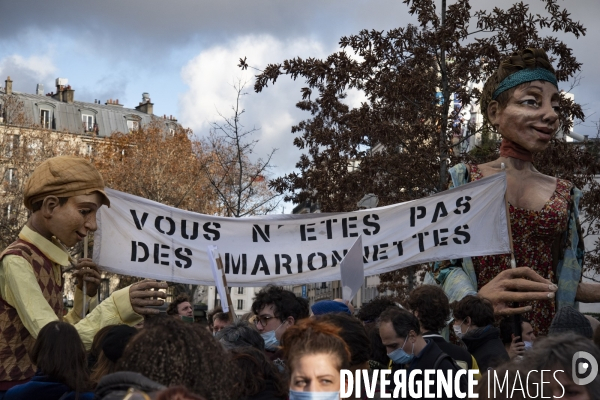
x=521, y=101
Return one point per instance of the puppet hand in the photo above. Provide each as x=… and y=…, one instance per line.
x=515, y=286
x=141, y=296
x=87, y=271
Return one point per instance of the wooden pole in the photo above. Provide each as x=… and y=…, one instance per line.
x=232, y=315
x=513, y=262
x=86, y=242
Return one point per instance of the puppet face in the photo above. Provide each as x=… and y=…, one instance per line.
x=530, y=118
x=72, y=221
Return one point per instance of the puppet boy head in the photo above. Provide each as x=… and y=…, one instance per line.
x=64, y=193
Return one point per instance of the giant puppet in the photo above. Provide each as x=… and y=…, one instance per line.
x=520, y=101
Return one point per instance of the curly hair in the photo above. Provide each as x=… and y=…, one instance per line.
x=353, y=333
x=479, y=309
x=172, y=352
x=257, y=373
x=172, y=308
x=312, y=336
x=433, y=306
x=285, y=303
x=371, y=311
x=528, y=58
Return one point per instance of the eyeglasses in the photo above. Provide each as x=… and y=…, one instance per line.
x=263, y=319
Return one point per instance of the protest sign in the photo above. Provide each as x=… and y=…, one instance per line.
x=143, y=238
x=352, y=271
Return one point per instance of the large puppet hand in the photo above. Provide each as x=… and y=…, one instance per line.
x=515, y=286
x=141, y=296
x=87, y=271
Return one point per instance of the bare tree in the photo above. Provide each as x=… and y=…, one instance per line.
x=241, y=184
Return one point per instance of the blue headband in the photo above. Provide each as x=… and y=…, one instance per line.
x=522, y=76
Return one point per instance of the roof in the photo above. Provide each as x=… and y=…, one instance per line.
x=68, y=116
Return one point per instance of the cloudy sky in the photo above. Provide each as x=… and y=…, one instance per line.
x=185, y=53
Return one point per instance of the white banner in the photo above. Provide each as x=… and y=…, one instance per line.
x=143, y=238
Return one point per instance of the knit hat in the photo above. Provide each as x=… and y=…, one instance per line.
x=568, y=319
x=115, y=341
x=329, y=306
x=64, y=176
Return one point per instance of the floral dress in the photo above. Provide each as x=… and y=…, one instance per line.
x=533, y=234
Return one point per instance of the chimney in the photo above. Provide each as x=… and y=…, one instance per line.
x=111, y=102
x=64, y=92
x=8, y=86
x=39, y=89
x=69, y=95
x=146, y=106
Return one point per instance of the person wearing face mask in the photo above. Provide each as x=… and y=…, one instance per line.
x=406, y=347
x=275, y=311
x=514, y=344
x=315, y=353
x=473, y=323
x=430, y=305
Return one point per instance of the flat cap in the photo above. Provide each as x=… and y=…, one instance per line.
x=64, y=176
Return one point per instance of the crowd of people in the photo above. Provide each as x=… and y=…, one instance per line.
x=287, y=350
x=509, y=317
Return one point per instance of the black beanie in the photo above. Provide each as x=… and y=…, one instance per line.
x=568, y=319
x=115, y=341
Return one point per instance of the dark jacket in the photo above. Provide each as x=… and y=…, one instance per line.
x=454, y=351
x=115, y=386
x=427, y=359
x=486, y=346
x=42, y=387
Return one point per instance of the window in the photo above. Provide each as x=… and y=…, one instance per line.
x=88, y=122
x=45, y=119
x=133, y=125
x=240, y=290
x=240, y=305
x=7, y=211
x=10, y=178
x=12, y=144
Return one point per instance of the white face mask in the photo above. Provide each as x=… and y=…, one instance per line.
x=528, y=345
x=314, y=395
x=271, y=341
x=458, y=330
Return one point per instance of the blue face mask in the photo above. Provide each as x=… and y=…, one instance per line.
x=271, y=342
x=399, y=356
x=528, y=345
x=314, y=395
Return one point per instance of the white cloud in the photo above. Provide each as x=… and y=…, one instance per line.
x=36, y=68
x=211, y=74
